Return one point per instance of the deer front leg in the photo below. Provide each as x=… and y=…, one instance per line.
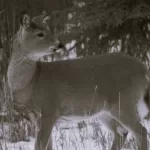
x=43, y=140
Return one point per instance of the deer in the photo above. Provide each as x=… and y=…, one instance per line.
x=112, y=87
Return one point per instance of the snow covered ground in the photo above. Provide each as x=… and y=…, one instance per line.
x=91, y=137
x=73, y=138
x=18, y=146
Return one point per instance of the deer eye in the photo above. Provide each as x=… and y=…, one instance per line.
x=40, y=34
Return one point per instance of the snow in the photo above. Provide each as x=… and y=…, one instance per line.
x=22, y=145
x=66, y=137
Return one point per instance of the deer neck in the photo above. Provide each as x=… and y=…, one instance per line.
x=21, y=76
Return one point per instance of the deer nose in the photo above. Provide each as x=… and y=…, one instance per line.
x=60, y=45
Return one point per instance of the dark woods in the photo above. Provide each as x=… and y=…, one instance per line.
x=98, y=26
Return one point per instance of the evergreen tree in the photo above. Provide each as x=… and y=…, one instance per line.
x=107, y=25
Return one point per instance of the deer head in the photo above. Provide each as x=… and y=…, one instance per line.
x=35, y=38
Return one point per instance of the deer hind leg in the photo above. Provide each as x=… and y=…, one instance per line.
x=120, y=135
x=43, y=140
x=129, y=125
x=118, y=131
x=141, y=138
x=139, y=133
x=130, y=121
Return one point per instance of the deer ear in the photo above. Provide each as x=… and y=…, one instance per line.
x=46, y=19
x=25, y=19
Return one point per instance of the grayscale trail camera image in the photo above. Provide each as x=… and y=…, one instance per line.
x=74, y=74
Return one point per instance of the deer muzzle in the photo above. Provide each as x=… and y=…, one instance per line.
x=58, y=47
